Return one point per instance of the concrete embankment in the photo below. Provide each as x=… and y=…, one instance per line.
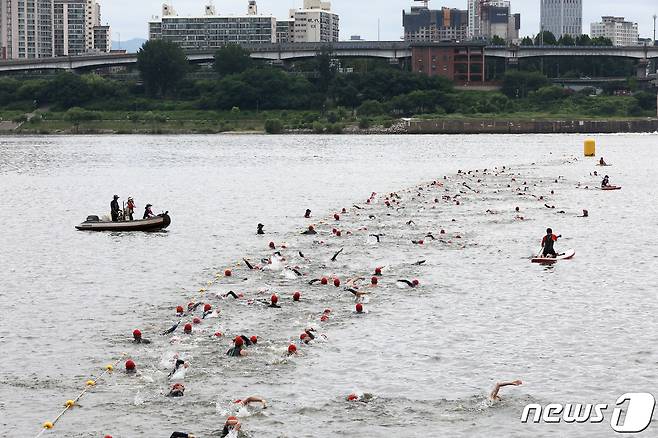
x=529, y=126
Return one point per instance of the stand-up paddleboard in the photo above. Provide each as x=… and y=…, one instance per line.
x=611, y=188
x=548, y=260
x=604, y=165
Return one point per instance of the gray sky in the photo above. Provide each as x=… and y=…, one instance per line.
x=359, y=17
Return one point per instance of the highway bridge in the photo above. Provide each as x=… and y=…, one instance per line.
x=394, y=51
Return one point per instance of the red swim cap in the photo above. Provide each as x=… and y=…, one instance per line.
x=130, y=365
x=227, y=273
x=352, y=397
x=378, y=271
x=238, y=341
x=179, y=309
x=196, y=320
x=292, y=349
x=274, y=299
x=137, y=334
x=324, y=317
x=359, y=308
x=303, y=336
x=232, y=418
x=218, y=334
x=324, y=280
x=254, y=339
x=272, y=245
x=415, y=282
x=336, y=216
x=187, y=328
x=374, y=280
x=296, y=296
x=336, y=282
x=338, y=233
x=207, y=307
x=327, y=311
x=333, y=230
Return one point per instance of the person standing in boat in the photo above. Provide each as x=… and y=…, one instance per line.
x=130, y=208
x=148, y=213
x=114, y=209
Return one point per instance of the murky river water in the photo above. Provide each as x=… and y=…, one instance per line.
x=583, y=331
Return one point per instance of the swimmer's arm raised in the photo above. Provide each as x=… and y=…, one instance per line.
x=494, y=393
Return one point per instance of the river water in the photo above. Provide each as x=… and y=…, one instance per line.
x=582, y=331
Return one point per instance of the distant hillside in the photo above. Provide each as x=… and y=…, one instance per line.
x=132, y=46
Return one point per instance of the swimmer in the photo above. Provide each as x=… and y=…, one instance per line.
x=431, y=236
x=494, y=394
x=333, y=259
x=172, y=329
x=246, y=340
x=301, y=254
x=137, y=338
x=307, y=214
x=177, y=390
x=252, y=399
x=232, y=424
x=376, y=236
x=411, y=222
x=178, y=364
x=412, y=283
x=181, y=435
x=292, y=350
x=310, y=231
x=273, y=302
x=547, y=243
x=249, y=265
x=231, y=294
x=237, y=349
x=419, y=262
x=585, y=214
x=259, y=229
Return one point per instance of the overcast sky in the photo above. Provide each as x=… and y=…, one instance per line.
x=359, y=17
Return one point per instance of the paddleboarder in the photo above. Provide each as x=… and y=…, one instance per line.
x=547, y=243
x=605, y=182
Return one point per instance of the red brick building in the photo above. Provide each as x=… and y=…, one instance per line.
x=461, y=63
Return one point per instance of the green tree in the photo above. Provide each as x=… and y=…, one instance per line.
x=566, y=40
x=232, y=59
x=67, y=90
x=601, y=41
x=497, y=41
x=370, y=108
x=273, y=126
x=527, y=41
x=583, y=40
x=162, y=65
x=325, y=68
x=518, y=84
x=545, y=38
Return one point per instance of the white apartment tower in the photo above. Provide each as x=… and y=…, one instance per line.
x=562, y=17
x=475, y=30
x=618, y=30
x=315, y=23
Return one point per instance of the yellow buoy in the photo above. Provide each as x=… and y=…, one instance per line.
x=91, y=383
x=109, y=368
x=590, y=148
x=48, y=425
x=69, y=403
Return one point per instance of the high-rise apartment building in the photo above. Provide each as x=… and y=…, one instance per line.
x=46, y=28
x=617, y=29
x=431, y=25
x=315, y=23
x=69, y=27
x=498, y=20
x=562, y=17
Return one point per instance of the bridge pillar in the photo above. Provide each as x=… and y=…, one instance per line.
x=642, y=67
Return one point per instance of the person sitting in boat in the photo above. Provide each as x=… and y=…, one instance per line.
x=602, y=162
x=114, y=209
x=148, y=213
x=130, y=208
x=547, y=243
x=605, y=182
